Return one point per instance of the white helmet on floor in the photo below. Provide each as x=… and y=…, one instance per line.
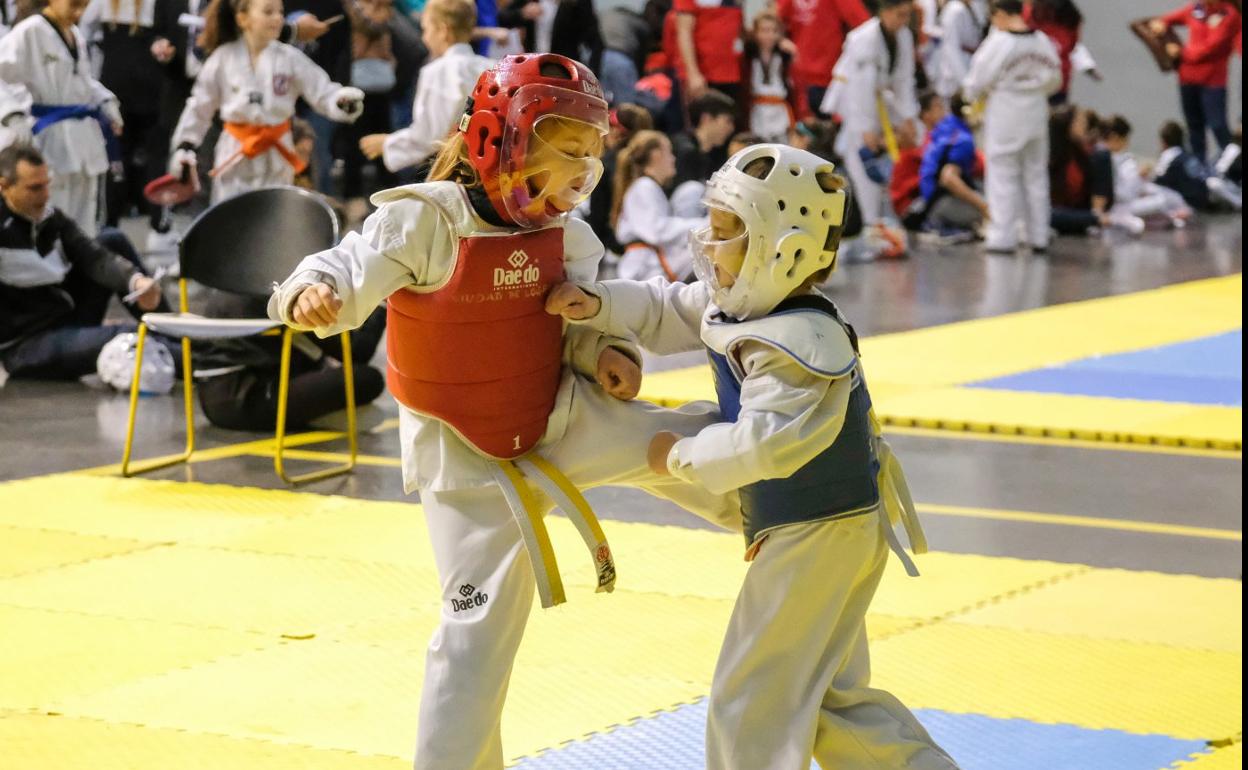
x=115, y=365
x=793, y=217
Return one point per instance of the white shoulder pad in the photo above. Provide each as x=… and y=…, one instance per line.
x=447, y=197
x=811, y=338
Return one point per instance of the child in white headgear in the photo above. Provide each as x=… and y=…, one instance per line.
x=820, y=489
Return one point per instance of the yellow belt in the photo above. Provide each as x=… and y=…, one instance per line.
x=513, y=477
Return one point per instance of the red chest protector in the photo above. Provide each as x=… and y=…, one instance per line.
x=481, y=354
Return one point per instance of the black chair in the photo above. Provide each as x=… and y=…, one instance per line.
x=243, y=245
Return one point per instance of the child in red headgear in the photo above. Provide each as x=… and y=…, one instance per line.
x=496, y=393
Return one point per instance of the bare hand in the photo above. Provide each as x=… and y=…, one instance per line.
x=309, y=28
x=373, y=145
x=163, y=50
x=500, y=35
x=148, y=292
x=1174, y=50
x=788, y=46
x=1158, y=27
x=618, y=374
x=117, y=127
x=872, y=141
x=660, y=447
x=531, y=11
x=696, y=84
x=572, y=302
x=316, y=306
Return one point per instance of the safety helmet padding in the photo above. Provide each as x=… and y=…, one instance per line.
x=794, y=223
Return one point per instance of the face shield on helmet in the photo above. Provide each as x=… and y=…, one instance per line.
x=719, y=249
x=550, y=165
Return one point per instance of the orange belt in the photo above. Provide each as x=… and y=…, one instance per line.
x=768, y=99
x=658, y=252
x=257, y=140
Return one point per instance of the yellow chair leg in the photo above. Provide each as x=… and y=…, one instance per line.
x=127, y=469
x=283, y=393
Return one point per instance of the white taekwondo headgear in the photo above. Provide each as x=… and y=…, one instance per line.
x=793, y=226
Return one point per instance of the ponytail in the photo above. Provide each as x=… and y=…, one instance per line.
x=630, y=166
x=220, y=25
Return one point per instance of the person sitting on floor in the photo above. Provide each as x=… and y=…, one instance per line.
x=238, y=378
x=55, y=281
x=655, y=238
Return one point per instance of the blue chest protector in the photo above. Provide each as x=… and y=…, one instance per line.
x=840, y=481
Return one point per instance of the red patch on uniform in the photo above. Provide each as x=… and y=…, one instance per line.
x=281, y=85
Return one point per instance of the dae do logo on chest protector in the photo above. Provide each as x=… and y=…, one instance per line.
x=481, y=353
x=520, y=271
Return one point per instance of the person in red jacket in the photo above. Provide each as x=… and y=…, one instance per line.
x=710, y=46
x=817, y=29
x=1062, y=22
x=1213, y=27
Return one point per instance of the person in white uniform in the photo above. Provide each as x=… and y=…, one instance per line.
x=442, y=86
x=1135, y=196
x=655, y=238
x=820, y=489
x=963, y=24
x=875, y=70
x=253, y=81
x=47, y=90
x=465, y=261
x=929, y=49
x=771, y=115
x=1017, y=68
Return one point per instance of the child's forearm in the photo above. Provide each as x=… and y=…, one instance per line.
x=663, y=317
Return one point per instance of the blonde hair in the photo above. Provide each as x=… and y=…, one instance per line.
x=452, y=164
x=630, y=166
x=458, y=16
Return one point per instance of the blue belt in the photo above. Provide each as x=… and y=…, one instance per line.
x=47, y=115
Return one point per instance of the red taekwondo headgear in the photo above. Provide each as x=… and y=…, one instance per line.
x=532, y=181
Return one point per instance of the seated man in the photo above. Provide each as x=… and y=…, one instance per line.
x=55, y=281
x=953, y=206
x=904, y=188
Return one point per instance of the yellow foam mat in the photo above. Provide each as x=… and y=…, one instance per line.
x=30, y=550
x=224, y=589
x=50, y=654
x=917, y=376
x=277, y=629
x=1051, y=678
x=985, y=348
x=54, y=742
x=153, y=511
x=1229, y=758
x=1064, y=416
x=1178, y=610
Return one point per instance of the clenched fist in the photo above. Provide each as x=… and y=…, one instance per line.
x=618, y=374
x=316, y=306
x=660, y=447
x=572, y=302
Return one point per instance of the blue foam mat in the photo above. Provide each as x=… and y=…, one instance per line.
x=674, y=741
x=1203, y=371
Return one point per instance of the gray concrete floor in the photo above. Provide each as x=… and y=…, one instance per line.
x=52, y=427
